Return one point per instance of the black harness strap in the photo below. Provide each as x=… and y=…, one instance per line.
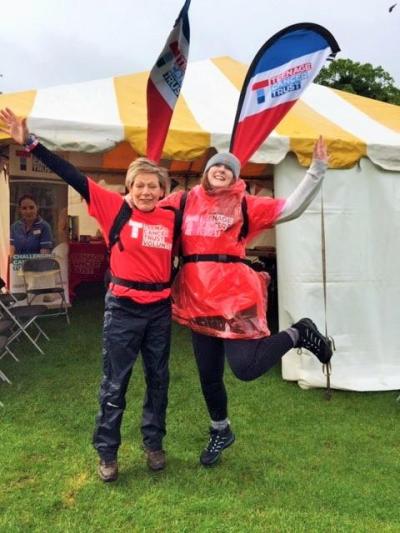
x=123, y=215
x=218, y=258
x=244, y=230
x=114, y=237
x=140, y=285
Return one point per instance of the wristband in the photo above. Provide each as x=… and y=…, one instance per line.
x=31, y=142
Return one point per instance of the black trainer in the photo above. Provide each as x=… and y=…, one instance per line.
x=311, y=339
x=218, y=441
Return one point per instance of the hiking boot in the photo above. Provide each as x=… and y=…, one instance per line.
x=108, y=470
x=155, y=459
x=311, y=339
x=218, y=441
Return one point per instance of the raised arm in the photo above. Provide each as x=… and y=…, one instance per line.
x=308, y=188
x=17, y=129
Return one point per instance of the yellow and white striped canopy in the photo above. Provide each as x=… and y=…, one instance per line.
x=98, y=115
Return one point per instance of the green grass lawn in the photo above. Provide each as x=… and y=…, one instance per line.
x=299, y=463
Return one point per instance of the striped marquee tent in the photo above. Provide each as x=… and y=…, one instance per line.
x=361, y=196
x=98, y=115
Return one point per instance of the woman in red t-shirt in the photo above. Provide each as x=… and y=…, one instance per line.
x=137, y=308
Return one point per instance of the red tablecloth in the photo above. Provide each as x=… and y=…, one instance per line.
x=87, y=263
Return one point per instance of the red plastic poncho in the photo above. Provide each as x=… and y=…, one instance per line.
x=225, y=300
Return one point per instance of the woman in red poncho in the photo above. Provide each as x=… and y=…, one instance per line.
x=221, y=298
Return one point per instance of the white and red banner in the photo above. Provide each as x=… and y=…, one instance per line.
x=165, y=82
x=281, y=70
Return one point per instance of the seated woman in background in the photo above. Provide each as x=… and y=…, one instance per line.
x=30, y=234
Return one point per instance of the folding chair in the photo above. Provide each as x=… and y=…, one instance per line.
x=12, y=296
x=3, y=344
x=6, y=327
x=42, y=277
x=22, y=317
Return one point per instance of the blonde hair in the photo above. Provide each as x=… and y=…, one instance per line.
x=142, y=165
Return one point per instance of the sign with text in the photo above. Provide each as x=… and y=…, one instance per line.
x=25, y=164
x=40, y=280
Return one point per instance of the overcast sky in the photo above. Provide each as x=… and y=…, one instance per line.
x=52, y=42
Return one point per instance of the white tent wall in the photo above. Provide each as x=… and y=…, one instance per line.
x=4, y=223
x=362, y=224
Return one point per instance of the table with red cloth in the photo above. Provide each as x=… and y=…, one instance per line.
x=87, y=263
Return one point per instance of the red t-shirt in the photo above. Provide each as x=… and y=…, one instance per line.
x=147, y=241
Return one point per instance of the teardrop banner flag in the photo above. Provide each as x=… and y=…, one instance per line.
x=165, y=82
x=281, y=70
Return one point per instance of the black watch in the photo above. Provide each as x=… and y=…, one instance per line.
x=31, y=142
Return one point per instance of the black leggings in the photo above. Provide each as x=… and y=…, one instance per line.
x=248, y=359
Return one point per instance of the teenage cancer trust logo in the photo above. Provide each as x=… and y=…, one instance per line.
x=173, y=66
x=153, y=235
x=286, y=82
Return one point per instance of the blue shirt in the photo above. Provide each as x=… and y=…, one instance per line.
x=31, y=241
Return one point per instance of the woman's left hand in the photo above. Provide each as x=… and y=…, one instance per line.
x=321, y=150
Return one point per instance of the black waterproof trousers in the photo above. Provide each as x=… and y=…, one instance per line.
x=130, y=327
x=248, y=358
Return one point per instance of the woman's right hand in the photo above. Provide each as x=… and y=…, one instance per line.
x=16, y=127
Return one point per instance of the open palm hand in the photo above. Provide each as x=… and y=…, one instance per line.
x=15, y=126
x=320, y=150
